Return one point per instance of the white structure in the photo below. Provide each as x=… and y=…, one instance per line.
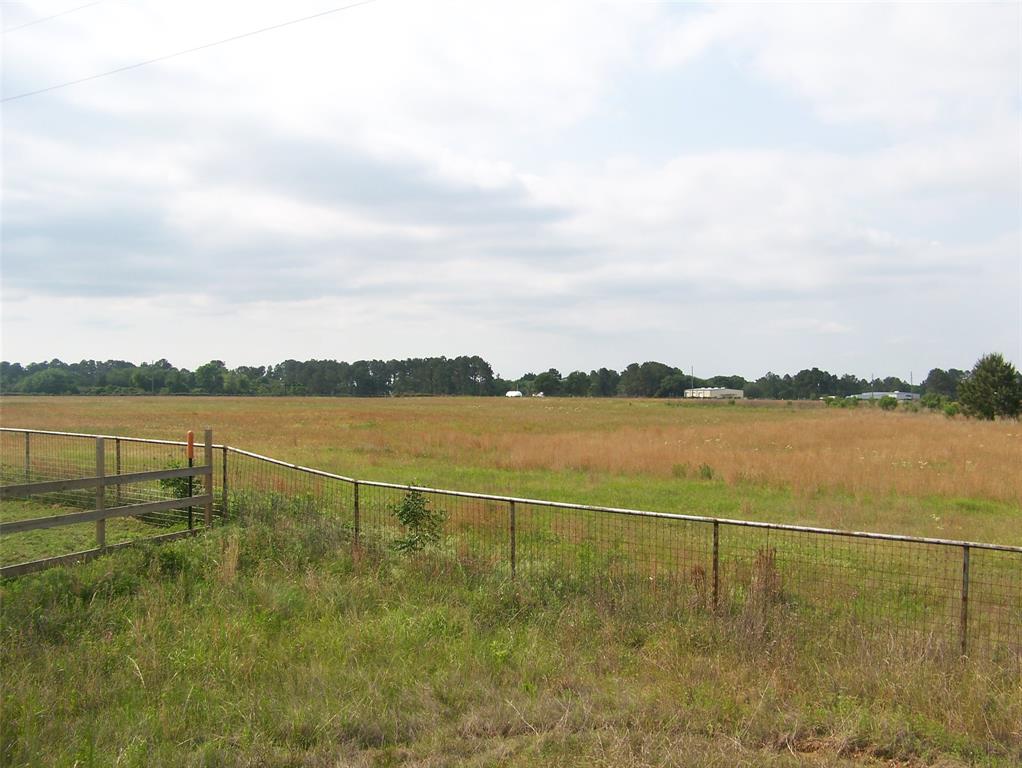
x=715, y=393
x=878, y=395
x=513, y=393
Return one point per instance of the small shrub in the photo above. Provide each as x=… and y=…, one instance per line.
x=422, y=524
x=951, y=410
x=706, y=472
x=887, y=403
x=177, y=487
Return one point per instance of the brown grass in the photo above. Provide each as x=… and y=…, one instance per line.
x=808, y=450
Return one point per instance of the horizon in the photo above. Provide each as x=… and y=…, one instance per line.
x=911, y=379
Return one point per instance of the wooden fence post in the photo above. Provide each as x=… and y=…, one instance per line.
x=208, y=485
x=100, y=493
x=117, y=469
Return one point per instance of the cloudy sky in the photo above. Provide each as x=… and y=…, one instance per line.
x=733, y=188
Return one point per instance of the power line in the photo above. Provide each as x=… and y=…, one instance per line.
x=187, y=50
x=54, y=16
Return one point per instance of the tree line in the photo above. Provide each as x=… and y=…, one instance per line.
x=464, y=375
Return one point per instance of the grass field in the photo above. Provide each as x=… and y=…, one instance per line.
x=269, y=642
x=865, y=469
x=34, y=545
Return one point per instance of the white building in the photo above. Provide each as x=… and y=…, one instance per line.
x=513, y=393
x=715, y=393
x=878, y=395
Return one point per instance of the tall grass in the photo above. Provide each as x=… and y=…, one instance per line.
x=915, y=473
x=272, y=642
x=861, y=451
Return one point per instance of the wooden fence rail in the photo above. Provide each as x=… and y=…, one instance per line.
x=101, y=513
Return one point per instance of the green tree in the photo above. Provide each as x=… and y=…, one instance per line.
x=50, y=381
x=603, y=383
x=674, y=385
x=576, y=384
x=993, y=388
x=549, y=383
x=941, y=382
x=210, y=377
x=644, y=380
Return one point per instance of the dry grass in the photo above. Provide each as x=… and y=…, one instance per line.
x=808, y=450
x=858, y=453
x=837, y=459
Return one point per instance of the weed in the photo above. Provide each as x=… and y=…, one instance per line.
x=422, y=524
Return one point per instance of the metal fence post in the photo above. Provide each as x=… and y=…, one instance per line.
x=716, y=563
x=100, y=493
x=514, y=543
x=965, y=599
x=354, y=491
x=117, y=468
x=223, y=488
x=207, y=437
x=28, y=459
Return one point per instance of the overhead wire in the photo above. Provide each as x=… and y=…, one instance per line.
x=202, y=47
x=52, y=16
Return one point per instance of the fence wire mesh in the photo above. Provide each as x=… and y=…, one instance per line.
x=949, y=596
x=36, y=457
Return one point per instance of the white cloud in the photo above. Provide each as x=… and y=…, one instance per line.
x=371, y=174
x=900, y=65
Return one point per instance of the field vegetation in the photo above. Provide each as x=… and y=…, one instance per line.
x=864, y=468
x=272, y=642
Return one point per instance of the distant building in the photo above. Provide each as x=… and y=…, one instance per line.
x=879, y=395
x=513, y=393
x=715, y=393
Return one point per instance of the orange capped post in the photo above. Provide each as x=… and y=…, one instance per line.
x=191, y=445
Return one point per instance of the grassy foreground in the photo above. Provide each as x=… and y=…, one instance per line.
x=267, y=642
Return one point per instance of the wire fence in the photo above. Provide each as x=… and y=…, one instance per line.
x=40, y=526
x=961, y=597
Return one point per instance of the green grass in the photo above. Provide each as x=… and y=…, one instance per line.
x=267, y=642
x=48, y=542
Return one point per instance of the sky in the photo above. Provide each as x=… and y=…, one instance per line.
x=729, y=188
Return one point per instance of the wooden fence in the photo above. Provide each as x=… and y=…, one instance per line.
x=101, y=512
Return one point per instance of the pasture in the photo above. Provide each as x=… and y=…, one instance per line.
x=863, y=469
x=271, y=642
